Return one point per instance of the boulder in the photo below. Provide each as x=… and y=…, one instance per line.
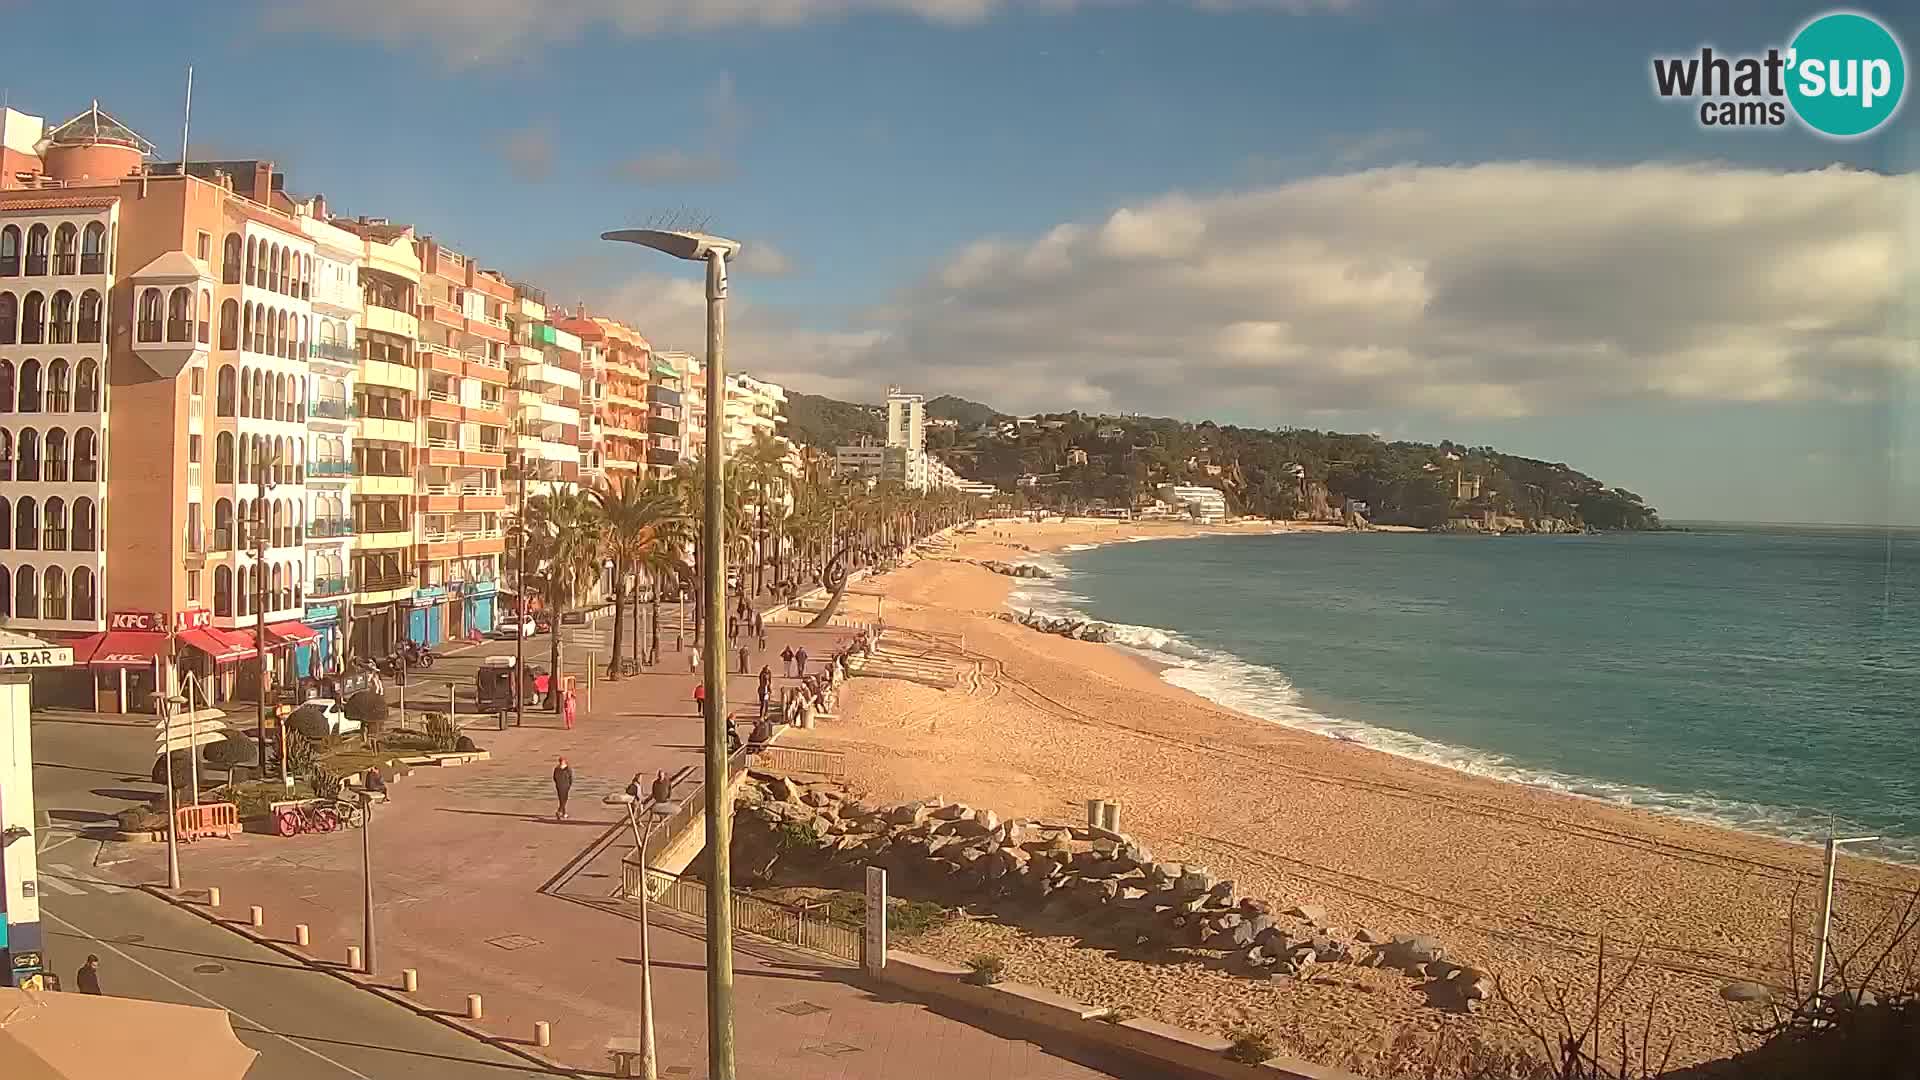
x=1222, y=892
x=953, y=812
x=1308, y=912
x=781, y=789
x=987, y=820
x=1367, y=937
x=1196, y=879
x=1045, y=866
x=1253, y=906
x=1747, y=992
x=907, y=814
x=816, y=799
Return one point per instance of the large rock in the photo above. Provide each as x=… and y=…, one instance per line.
x=953, y=812
x=1747, y=992
x=781, y=789
x=1308, y=912
x=907, y=814
x=1196, y=879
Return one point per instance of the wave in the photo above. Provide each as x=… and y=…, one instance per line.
x=1265, y=692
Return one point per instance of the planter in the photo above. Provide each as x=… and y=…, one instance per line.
x=144, y=836
x=449, y=759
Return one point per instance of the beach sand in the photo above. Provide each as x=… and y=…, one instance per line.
x=1523, y=882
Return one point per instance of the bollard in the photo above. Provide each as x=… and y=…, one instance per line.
x=213, y=896
x=353, y=958
x=1110, y=816
x=1093, y=813
x=409, y=980
x=301, y=935
x=257, y=916
x=542, y=1033
x=474, y=1011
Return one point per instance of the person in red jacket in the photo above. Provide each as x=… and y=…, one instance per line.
x=700, y=699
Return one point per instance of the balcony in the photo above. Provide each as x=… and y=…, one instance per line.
x=329, y=586
x=329, y=468
x=330, y=408
x=658, y=456
x=333, y=350
x=372, y=583
x=329, y=527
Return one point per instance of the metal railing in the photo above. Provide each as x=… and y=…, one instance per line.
x=330, y=527
x=331, y=408
x=330, y=468
x=329, y=586
x=801, y=928
x=333, y=350
x=793, y=759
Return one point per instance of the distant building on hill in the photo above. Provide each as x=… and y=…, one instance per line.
x=1207, y=505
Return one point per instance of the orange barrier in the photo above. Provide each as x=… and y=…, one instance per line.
x=206, y=819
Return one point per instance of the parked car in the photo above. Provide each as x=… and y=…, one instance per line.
x=516, y=626
x=338, y=722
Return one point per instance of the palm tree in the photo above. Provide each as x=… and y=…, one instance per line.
x=639, y=519
x=564, y=528
x=689, y=482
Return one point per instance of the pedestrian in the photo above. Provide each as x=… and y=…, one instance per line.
x=88, y=977
x=786, y=661
x=567, y=709
x=766, y=688
x=562, y=784
x=700, y=699
x=635, y=791
x=733, y=626
x=743, y=659
x=761, y=634
x=759, y=625
x=800, y=660
x=693, y=661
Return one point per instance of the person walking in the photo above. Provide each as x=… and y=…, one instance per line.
x=766, y=688
x=567, y=708
x=700, y=699
x=786, y=661
x=743, y=659
x=800, y=661
x=562, y=784
x=88, y=977
x=634, y=789
x=733, y=626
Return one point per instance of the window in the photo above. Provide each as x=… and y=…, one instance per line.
x=180, y=315
x=60, y=319
x=56, y=455
x=231, y=260
x=199, y=384
x=204, y=316
x=59, y=393
x=54, y=533
x=86, y=604
x=223, y=458
x=26, y=525
x=93, y=249
x=193, y=449
x=196, y=541
x=204, y=246
x=37, y=244
x=10, y=251
x=33, y=320
x=149, y=318
x=26, y=594
x=253, y=262
x=86, y=456
x=9, y=318
x=85, y=525
x=222, y=590
x=86, y=387
x=193, y=587
x=66, y=256
x=223, y=525
x=30, y=386
x=90, y=324
x=230, y=325
x=53, y=599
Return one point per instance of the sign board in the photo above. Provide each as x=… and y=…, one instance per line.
x=150, y=621
x=193, y=619
x=876, y=940
x=597, y=640
x=573, y=618
x=49, y=657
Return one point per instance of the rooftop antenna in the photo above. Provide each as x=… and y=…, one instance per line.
x=186, y=124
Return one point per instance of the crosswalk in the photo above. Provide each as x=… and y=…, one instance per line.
x=63, y=878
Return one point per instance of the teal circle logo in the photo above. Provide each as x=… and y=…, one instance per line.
x=1846, y=74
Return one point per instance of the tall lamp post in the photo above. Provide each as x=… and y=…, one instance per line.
x=519, y=681
x=714, y=251
x=1834, y=844
x=264, y=481
x=655, y=811
x=168, y=704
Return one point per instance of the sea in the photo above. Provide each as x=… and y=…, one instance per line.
x=1756, y=676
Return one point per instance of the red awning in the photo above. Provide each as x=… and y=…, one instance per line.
x=297, y=632
x=223, y=647
x=120, y=648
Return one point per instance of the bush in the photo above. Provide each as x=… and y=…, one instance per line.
x=369, y=708
x=141, y=819
x=442, y=732
x=228, y=752
x=326, y=785
x=1251, y=1046
x=988, y=970
x=309, y=721
x=182, y=762
x=911, y=917
x=466, y=745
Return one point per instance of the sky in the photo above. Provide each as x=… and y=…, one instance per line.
x=1467, y=219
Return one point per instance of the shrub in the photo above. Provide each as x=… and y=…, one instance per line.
x=369, y=708
x=466, y=745
x=442, y=732
x=228, y=752
x=141, y=819
x=1251, y=1046
x=911, y=917
x=326, y=785
x=988, y=970
x=182, y=762
x=793, y=836
x=310, y=722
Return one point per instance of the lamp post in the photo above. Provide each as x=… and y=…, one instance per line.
x=264, y=481
x=519, y=681
x=167, y=705
x=714, y=251
x=1834, y=844
x=366, y=871
x=655, y=812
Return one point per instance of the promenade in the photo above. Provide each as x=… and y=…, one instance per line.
x=481, y=890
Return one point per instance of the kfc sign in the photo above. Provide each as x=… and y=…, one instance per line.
x=193, y=619
x=149, y=621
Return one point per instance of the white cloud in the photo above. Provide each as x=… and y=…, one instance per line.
x=762, y=259
x=713, y=161
x=474, y=31
x=1492, y=290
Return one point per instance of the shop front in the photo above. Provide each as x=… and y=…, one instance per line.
x=427, y=621
x=329, y=652
x=126, y=664
x=479, y=604
x=377, y=628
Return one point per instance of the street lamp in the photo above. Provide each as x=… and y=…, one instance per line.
x=371, y=784
x=1826, y=915
x=714, y=251
x=167, y=705
x=656, y=812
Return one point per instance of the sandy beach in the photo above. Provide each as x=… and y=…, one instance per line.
x=1525, y=882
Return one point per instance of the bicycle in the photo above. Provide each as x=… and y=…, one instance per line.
x=350, y=813
x=305, y=818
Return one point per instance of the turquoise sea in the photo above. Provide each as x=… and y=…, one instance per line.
x=1764, y=677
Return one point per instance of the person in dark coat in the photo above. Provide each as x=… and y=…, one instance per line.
x=562, y=784
x=88, y=978
x=766, y=688
x=800, y=661
x=786, y=660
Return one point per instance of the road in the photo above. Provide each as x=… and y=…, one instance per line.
x=307, y=1025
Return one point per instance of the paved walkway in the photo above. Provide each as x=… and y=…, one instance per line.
x=462, y=857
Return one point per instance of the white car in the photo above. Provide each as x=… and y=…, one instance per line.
x=512, y=627
x=338, y=722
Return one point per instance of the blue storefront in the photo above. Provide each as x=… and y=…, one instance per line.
x=326, y=655
x=480, y=602
x=426, y=621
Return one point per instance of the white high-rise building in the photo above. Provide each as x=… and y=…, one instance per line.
x=907, y=432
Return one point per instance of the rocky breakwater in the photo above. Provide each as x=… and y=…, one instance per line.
x=1110, y=886
x=1065, y=626
x=1019, y=570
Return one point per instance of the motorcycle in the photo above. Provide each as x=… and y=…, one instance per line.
x=418, y=655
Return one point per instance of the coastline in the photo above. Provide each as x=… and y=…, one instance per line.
x=1522, y=880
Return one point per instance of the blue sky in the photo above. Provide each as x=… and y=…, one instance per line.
x=864, y=152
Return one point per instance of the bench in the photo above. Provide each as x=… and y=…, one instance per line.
x=626, y=1054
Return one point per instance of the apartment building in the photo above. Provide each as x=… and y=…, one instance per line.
x=753, y=406
x=621, y=419
x=462, y=447
x=544, y=395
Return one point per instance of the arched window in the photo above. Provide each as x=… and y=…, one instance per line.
x=246, y=326
x=91, y=325
x=86, y=605
x=59, y=387
x=203, y=315
x=279, y=334
x=93, y=249
x=306, y=278
x=230, y=324
x=86, y=386
x=26, y=524
x=37, y=250
x=66, y=249
x=53, y=527
x=60, y=319
x=243, y=473
x=56, y=469
x=223, y=458
x=86, y=525
x=6, y=525
x=259, y=328
x=6, y=592
x=30, y=386
x=6, y=454
x=246, y=391
x=274, y=525
x=180, y=315
x=253, y=262
x=86, y=456
x=147, y=326
x=33, y=319
x=230, y=259
x=53, y=598
x=280, y=282
x=10, y=251
x=223, y=591
x=27, y=457
x=243, y=606
x=26, y=594
x=223, y=525
x=9, y=318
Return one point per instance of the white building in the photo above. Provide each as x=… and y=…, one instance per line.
x=1206, y=505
